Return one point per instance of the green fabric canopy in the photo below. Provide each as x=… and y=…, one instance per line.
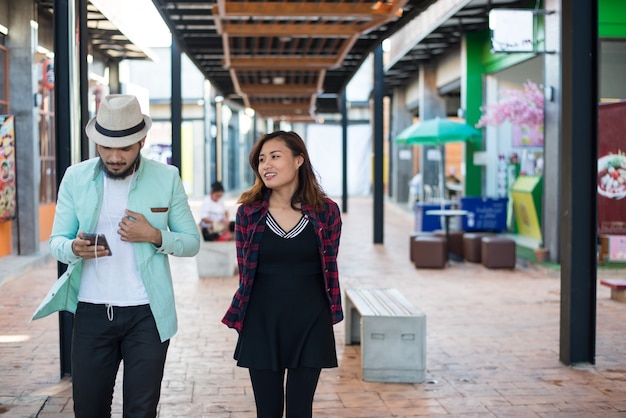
x=438, y=131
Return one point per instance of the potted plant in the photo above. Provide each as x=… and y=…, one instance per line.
x=541, y=253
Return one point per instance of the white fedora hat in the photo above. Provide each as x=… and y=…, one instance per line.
x=119, y=122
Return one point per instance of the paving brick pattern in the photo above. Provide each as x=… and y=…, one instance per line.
x=492, y=343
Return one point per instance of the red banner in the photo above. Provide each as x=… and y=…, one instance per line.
x=7, y=168
x=611, y=180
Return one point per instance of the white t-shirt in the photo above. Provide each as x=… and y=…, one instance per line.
x=115, y=279
x=213, y=210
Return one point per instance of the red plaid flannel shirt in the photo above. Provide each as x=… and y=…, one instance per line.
x=249, y=227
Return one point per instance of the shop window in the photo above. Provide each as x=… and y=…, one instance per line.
x=47, y=151
x=4, y=80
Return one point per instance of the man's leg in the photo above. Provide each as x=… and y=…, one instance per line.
x=144, y=361
x=95, y=360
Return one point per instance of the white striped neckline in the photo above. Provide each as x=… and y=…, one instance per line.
x=273, y=225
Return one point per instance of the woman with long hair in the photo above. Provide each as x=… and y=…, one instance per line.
x=287, y=237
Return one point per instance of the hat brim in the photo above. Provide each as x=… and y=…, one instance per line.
x=117, y=142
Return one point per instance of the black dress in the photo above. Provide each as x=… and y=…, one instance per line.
x=288, y=322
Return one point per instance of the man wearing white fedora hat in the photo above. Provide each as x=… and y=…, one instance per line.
x=118, y=284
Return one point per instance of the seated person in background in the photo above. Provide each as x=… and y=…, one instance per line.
x=414, y=189
x=453, y=184
x=214, y=223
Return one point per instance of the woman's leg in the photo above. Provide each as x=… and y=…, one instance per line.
x=268, y=392
x=301, y=385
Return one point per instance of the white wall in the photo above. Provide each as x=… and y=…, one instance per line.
x=325, y=149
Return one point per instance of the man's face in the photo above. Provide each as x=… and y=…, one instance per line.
x=119, y=163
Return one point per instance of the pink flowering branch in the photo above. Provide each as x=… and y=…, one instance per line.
x=520, y=107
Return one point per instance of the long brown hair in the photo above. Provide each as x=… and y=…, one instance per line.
x=308, y=191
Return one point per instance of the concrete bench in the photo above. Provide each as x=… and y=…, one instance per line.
x=618, y=288
x=392, y=334
x=217, y=259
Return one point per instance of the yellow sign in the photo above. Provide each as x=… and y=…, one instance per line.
x=526, y=214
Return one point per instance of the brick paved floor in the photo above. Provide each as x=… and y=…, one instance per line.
x=492, y=343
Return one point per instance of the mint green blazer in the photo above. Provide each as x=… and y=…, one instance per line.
x=158, y=194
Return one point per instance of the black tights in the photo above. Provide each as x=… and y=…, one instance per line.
x=270, y=394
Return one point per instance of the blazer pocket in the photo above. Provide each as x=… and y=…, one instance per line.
x=158, y=210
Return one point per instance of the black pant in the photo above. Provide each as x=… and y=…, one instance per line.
x=209, y=236
x=269, y=390
x=98, y=347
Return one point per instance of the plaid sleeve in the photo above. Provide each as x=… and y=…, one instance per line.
x=232, y=318
x=331, y=249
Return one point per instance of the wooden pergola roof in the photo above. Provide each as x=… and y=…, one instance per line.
x=287, y=60
x=292, y=59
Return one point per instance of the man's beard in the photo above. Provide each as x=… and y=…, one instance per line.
x=120, y=176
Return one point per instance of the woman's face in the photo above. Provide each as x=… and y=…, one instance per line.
x=277, y=165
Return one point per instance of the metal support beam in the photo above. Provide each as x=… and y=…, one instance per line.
x=67, y=17
x=84, y=77
x=377, y=132
x=344, y=156
x=579, y=149
x=176, y=106
x=219, y=141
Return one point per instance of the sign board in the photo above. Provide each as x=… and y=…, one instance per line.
x=433, y=154
x=526, y=195
x=7, y=167
x=611, y=178
x=512, y=30
x=617, y=248
x=485, y=214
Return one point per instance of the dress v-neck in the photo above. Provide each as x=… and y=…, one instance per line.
x=278, y=230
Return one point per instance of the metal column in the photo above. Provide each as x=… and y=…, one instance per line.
x=176, y=107
x=579, y=148
x=344, y=156
x=377, y=132
x=67, y=16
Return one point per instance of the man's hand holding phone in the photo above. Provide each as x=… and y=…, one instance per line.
x=91, y=245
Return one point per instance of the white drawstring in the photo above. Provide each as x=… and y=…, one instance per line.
x=110, y=312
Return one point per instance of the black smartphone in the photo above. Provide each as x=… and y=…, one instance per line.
x=98, y=239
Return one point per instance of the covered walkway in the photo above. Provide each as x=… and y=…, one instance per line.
x=492, y=342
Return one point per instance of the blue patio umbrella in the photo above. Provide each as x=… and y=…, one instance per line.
x=437, y=132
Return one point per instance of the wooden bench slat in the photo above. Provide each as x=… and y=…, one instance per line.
x=382, y=302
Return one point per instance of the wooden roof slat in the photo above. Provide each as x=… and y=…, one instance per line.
x=281, y=8
x=296, y=30
x=287, y=63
